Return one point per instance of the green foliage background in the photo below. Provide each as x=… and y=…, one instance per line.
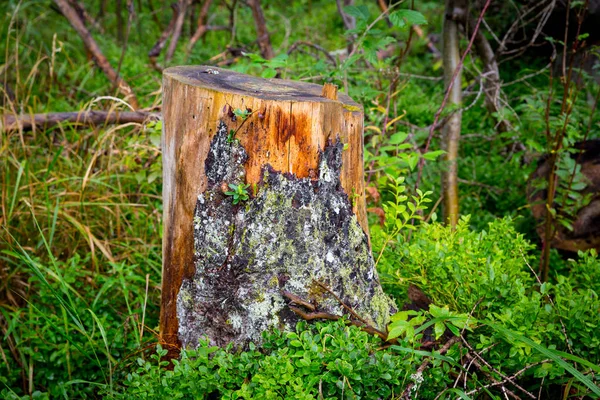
x=80, y=237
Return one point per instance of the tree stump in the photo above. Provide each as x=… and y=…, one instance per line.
x=292, y=153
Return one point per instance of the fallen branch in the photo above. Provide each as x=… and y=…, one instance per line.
x=101, y=61
x=315, y=314
x=79, y=119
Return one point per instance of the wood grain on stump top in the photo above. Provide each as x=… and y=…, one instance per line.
x=289, y=123
x=244, y=85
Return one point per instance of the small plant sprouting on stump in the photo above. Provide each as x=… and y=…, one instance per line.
x=238, y=192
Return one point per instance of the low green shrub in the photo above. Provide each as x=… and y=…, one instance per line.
x=489, y=276
x=323, y=360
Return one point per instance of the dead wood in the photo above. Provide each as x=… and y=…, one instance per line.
x=79, y=119
x=183, y=7
x=86, y=16
x=101, y=61
x=202, y=26
x=288, y=130
x=264, y=41
x=315, y=314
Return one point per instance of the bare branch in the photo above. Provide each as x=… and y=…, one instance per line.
x=491, y=82
x=264, y=41
x=409, y=388
x=91, y=45
x=299, y=43
x=202, y=27
x=182, y=8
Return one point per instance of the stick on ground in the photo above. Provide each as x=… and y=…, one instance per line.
x=84, y=118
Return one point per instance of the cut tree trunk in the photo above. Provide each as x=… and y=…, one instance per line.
x=296, y=227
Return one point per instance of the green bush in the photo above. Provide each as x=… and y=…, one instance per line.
x=489, y=276
x=461, y=268
x=331, y=360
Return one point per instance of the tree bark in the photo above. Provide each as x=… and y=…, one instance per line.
x=92, y=46
x=283, y=131
x=451, y=130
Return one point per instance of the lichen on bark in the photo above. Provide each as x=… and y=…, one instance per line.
x=292, y=233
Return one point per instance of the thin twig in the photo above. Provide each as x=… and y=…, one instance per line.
x=443, y=350
x=299, y=43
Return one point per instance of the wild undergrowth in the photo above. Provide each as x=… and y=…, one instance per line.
x=81, y=209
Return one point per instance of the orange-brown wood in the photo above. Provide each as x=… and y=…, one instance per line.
x=288, y=124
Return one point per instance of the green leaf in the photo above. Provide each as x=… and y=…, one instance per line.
x=402, y=18
x=552, y=354
x=433, y=155
x=438, y=312
x=425, y=354
x=439, y=328
x=255, y=58
x=269, y=73
x=412, y=160
x=359, y=12
x=397, y=328
x=398, y=138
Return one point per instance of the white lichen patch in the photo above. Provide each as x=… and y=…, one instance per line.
x=292, y=233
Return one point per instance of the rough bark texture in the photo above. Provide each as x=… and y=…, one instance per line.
x=292, y=233
x=287, y=127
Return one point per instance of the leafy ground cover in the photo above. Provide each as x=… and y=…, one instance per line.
x=80, y=237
